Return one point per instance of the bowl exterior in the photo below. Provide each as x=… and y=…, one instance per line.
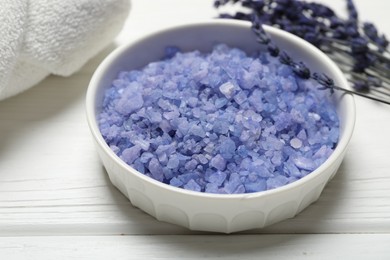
x=216, y=214
x=211, y=212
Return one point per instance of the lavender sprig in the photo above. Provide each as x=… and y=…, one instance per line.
x=299, y=68
x=357, y=46
x=302, y=71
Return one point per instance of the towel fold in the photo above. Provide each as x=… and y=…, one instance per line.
x=42, y=37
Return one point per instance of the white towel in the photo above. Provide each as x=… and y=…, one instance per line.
x=42, y=37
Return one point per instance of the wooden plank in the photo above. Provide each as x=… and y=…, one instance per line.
x=363, y=246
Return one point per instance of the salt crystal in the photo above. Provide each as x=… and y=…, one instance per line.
x=115, y=149
x=175, y=182
x=221, y=127
x=248, y=79
x=217, y=177
x=220, y=102
x=259, y=168
x=234, y=185
x=255, y=99
x=131, y=99
x=146, y=156
x=173, y=162
x=218, y=162
x=277, y=158
x=209, y=148
x=139, y=166
x=244, y=136
x=259, y=185
x=183, y=127
x=192, y=101
x=212, y=188
x=202, y=159
x=323, y=152
x=130, y=154
x=227, y=89
x=168, y=173
x=192, y=185
x=227, y=148
x=296, y=143
x=171, y=114
x=276, y=181
x=240, y=97
x=315, y=116
x=127, y=124
x=197, y=130
x=191, y=165
x=187, y=176
x=156, y=169
x=304, y=163
x=283, y=121
x=302, y=135
x=242, y=151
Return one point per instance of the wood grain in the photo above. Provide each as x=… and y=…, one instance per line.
x=198, y=247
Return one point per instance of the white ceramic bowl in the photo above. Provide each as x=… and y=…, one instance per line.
x=203, y=211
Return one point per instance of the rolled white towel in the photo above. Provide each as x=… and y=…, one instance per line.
x=42, y=37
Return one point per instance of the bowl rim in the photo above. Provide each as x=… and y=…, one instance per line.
x=90, y=106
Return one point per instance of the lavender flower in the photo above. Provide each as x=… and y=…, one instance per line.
x=324, y=80
x=299, y=68
x=352, y=12
x=372, y=33
x=358, y=46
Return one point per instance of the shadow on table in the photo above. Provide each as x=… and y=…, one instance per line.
x=229, y=246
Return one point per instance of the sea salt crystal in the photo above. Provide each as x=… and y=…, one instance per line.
x=277, y=158
x=191, y=165
x=131, y=99
x=130, y=154
x=255, y=186
x=222, y=122
x=146, y=156
x=197, y=130
x=192, y=101
x=227, y=148
x=234, y=185
x=212, y=188
x=240, y=97
x=202, y=159
x=192, y=185
x=242, y=151
x=276, y=181
x=217, y=177
x=221, y=127
x=220, y=102
x=296, y=143
x=156, y=169
x=173, y=162
x=175, y=182
x=218, y=162
x=304, y=163
x=227, y=89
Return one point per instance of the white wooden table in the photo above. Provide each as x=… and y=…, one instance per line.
x=56, y=200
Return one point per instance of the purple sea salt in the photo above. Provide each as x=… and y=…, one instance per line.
x=220, y=122
x=218, y=162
